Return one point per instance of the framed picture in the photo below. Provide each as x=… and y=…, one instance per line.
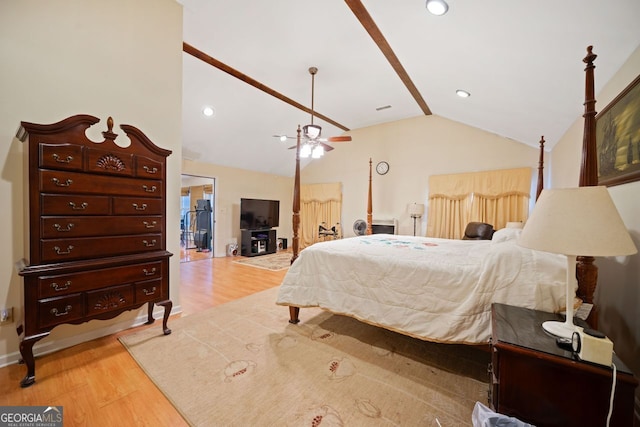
x=618, y=138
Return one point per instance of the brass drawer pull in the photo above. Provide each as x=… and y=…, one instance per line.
x=149, y=190
x=149, y=292
x=58, y=183
x=149, y=273
x=150, y=170
x=149, y=245
x=139, y=208
x=61, y=252
x=57, y=158
x=64, y=287
x=57, y=313
x=59, y=228
x=82, y=206
x=149, y=225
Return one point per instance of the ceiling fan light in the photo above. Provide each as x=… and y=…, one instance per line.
x=318, y=152
x=283, y=138
x=305, y=151
x=437, y=7
x=312, y=131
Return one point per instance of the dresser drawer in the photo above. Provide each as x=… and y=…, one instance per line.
x=148, y=168
x=109, y=299
x=109, y=162
x=56, y=204
x=50, y=286
x=61, y=156
x=137, y=206
x=54, y=311
x=61, y=250
x=149, y=291
x=76, y=183
x=65, y=227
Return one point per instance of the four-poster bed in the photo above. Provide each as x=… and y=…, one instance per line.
x=462, y=282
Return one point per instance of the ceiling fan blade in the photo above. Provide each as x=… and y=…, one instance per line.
x=345, y=138
x=326, y=147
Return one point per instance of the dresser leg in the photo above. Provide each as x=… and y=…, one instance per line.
x=167, y=304
x=150, y=318
x=26, y=350
x=167, y=311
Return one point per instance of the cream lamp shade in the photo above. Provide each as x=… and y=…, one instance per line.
x=415, y=210
x=575, y=222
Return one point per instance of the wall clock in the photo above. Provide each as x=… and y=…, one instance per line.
x=382, y=168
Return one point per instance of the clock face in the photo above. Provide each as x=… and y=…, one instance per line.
x=382, y=168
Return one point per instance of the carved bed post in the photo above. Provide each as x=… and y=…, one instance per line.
x=586, y=270
x=369, y=205
x=540, y=169
x=295, y=311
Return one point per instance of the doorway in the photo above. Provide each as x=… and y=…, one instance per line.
x=197, y=217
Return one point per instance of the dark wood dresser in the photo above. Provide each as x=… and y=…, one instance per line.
x=97, y=240
x=535, y=380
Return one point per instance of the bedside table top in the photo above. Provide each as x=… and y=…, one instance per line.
x=522, y=327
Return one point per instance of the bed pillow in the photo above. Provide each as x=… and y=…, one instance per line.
x=506, y=234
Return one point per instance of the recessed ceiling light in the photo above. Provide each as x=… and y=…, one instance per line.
x=384, y=107
x=463, y=93
x=208, y=111
x=437, y=7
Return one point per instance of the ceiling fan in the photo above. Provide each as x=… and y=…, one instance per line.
x=313, y=144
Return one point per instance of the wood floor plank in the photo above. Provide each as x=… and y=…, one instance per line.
x=99, y=384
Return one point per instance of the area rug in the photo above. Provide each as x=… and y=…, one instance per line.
x=243, y=364
x=274, y=262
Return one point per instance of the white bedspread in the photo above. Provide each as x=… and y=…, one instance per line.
x=433, y=289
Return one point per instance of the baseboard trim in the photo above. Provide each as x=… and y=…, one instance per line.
x=49, y=346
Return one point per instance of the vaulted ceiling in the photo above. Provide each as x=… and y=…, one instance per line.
x=520, y=60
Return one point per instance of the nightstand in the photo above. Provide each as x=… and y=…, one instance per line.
x=536, y=381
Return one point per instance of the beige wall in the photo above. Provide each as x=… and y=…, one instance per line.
x=233, y=184
x=618, y=292
x=103, y=58
x=415, y=149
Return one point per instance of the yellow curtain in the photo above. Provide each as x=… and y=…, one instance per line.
x=495, y=197
x=318, y=203
x=196, y=193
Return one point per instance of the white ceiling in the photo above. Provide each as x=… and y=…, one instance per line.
x=521, y=61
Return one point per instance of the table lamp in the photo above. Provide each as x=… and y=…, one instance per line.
x=415, y=211
x=575, y=222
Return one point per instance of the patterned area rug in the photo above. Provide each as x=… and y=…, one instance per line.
x=242, y=364
x=273, y=262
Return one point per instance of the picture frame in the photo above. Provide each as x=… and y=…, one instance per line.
x=618, y=138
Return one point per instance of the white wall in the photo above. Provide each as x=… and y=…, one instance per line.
x=232, y=184
x=618, y=292
x=116, y=58
x=415, y=149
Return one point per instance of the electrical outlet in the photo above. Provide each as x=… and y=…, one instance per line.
x=6, y=315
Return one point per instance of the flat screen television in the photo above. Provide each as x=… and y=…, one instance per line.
x=258, y=214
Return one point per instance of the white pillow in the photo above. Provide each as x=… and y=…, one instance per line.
x=506, y=234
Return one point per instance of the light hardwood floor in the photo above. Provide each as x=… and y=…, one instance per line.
x=99, y=384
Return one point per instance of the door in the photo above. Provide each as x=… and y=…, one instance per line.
x=197, y=218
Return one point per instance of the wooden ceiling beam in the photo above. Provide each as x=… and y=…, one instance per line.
x=187, y=48
x=367, y=22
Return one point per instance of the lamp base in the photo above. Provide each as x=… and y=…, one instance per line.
x=559, y=329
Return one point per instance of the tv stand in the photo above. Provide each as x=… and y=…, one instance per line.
x=258, y=242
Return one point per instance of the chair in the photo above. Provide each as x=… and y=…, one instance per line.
x=478, y=231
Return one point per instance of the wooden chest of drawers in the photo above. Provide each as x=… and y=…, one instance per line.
x=97, y=242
